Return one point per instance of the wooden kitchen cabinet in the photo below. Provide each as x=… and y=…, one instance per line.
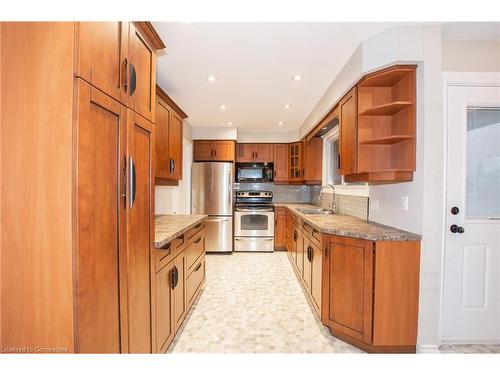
x=101, y=135
x=168, y=140
x=316, y=277
x=295, y=162
x=142, y=73
x=348, y=110
x=139, y=231
x=94, y=295
x=100, y=55
x=214, y=151
x=180, y=295
x=164, y=305
x=254, y=153
x=279, y=228
x=280, y=162
x=370, y=292
x=313, y=155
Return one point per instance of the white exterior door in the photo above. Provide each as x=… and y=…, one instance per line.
x=471, y=281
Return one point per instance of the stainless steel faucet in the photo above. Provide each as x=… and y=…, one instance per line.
x=333, y=206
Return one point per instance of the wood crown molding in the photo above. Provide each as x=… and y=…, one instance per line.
x=163, y=96
x=150, y=32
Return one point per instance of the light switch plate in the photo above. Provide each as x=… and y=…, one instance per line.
x=404, y=203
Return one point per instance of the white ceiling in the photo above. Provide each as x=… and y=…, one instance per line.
x=253, y=64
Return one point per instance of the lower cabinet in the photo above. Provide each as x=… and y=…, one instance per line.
x=180, y=274
x=370, y=292
x=279, y=229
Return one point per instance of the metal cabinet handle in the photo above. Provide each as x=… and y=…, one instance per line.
x=173, y=165
x=216, y=220
x=132, y=182
x=172, y=278
x=124, y=74
x=133, y=79
x=197, y=267
x=166, y=247
x=295, y=235
x=124, y=186
x=309, y=253
x=198, y=240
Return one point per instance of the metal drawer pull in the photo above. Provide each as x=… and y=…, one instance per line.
x=255, y=239
x=198, y=240
x=197, y=267
x=166, y=247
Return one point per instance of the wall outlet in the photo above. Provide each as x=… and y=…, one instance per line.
x=404, y=203
x=374, y=205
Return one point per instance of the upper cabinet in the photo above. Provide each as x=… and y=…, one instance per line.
x=168, y=140
x=280, y=159
x=119, y=58
x=295, y=162
x=102, y=49
x=348, y=133
x=254, y=152
x=214, y=151
x=313, y=156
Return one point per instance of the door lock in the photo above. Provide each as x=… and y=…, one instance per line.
x=456, y=229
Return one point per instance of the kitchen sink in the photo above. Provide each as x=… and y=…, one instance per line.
x=315, y=211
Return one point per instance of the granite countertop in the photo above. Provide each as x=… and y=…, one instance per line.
x=169, y=227
x=350, y=226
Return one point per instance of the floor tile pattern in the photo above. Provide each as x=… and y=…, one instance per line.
x=253, y=303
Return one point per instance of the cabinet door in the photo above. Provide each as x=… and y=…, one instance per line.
x=180, y=295
x=164, y=305
x=306, y=271
x=162, y=129
x=293, y=241
x=175, y=146
x=280, y=162
x=139, y=230
x=279, y=228
x=316, y=277
x=223, y=150
x=299, y=259
x=263, y=153
x=101, y=48
x=346, y=280
x=142, y=74
x=203, y=151
x=295, y=154
x=245, y=152
x=349, y=133
x=100, y=221
x=313, y=155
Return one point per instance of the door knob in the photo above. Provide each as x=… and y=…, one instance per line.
x=454, y=210
x=456, y=229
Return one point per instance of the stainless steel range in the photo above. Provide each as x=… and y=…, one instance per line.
x=254, y=221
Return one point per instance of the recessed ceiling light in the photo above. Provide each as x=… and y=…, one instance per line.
x=297, y=77
x=230, y=123
x=211, y=78
x=280, y=123
x=222, y=106
x=286, y=106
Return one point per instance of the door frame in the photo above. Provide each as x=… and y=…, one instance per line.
x=453, y=79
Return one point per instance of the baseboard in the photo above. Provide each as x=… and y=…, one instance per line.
x=427, y=349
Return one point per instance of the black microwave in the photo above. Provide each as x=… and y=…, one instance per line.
x=254, y=172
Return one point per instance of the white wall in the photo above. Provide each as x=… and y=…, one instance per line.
x=215, y=133
x=268, y=136
x=471, y=56
x=177, y=199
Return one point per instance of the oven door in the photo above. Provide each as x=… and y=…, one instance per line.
x=253, y=223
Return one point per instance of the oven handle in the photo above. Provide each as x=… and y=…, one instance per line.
x=254, y=210
x=254, y=239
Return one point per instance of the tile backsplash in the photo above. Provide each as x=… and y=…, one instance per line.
x=281, y=193
x=346, y=204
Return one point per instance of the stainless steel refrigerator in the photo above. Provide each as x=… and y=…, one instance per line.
x=212, y=195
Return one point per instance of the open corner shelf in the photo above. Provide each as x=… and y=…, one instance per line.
x=382, y=177
x=387, y=109
x=389, y=140
x=388, y=77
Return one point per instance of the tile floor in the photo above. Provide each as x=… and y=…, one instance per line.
x=253, y=303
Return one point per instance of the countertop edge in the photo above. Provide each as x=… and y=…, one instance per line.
x=174, y=235
x=403, y=236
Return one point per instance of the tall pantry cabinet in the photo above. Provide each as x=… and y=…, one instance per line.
x=77, y=150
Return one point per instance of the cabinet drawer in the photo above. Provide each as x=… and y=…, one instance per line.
x=192, y=232
x=313, y=234
x=195, y=250
x=195, y=280
x=169, y=252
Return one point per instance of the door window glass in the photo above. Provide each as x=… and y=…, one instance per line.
x=483, y=164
